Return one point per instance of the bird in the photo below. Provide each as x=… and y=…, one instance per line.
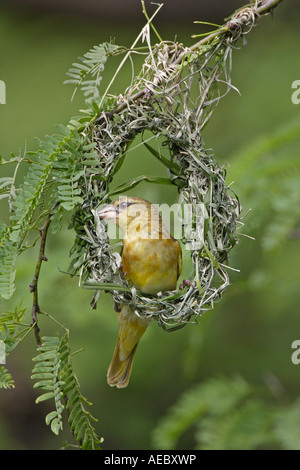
x=151, y=262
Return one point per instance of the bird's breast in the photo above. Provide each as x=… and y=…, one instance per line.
x=151, y=264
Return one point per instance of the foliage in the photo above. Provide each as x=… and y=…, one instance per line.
x=12, y=329
x=229, y=414
x=53, y=175
x=266, y=175
x=54, y=375
x=91, y=64
x=6, y=380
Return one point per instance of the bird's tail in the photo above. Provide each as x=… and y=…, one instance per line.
x=131, y=329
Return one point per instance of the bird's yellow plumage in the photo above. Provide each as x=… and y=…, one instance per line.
x=151, y=260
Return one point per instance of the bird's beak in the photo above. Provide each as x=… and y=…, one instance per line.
x=107, y=212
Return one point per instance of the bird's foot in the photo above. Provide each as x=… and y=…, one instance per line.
x=185, y=282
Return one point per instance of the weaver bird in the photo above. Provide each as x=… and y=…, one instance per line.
x=151, y=261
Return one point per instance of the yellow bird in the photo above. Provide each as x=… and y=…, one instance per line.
x=151, y=260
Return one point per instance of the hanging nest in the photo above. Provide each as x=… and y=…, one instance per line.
x=173, y=98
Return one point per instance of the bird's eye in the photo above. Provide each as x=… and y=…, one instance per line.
x=122, y=206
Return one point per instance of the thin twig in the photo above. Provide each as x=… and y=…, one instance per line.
x=266, y=6
x=34, y=284
x=148, y=19
x=127, y=55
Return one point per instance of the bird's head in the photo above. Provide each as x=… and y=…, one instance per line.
x=126, y=209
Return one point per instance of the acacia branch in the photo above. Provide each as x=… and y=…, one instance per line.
x=239, y=20
x=266, y=6
x=33, y=287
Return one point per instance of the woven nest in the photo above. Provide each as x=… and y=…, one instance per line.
x=178, y=90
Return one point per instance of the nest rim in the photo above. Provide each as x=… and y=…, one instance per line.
x=200, y=180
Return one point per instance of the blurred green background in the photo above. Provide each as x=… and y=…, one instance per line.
x=251, y=330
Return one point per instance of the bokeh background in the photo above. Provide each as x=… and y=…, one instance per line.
x=251, y=330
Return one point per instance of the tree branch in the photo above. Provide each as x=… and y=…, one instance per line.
x=33, y=287
x=266, y=6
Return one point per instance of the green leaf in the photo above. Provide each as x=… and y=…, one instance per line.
x=56, y=426
x=91, y=66
x=50, y=416
x=44, y=397
x=219, y=395
x=287, y=428
x=6, y=380
x=134, y=182
x=54, y=366
x=172, y=166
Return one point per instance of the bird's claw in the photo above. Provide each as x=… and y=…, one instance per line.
x=185, y=282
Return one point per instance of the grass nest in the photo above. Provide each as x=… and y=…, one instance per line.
x=172, y=98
